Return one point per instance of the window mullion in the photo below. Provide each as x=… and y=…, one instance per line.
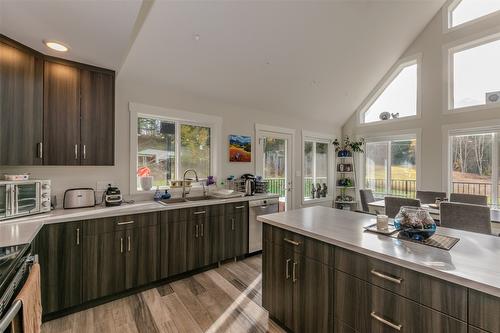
x=388, y=170
x=495, y=168
x=177, y=149
x=314, y=163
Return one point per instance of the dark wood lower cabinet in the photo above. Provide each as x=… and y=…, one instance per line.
x=484, y=311
x=142, y=253
x=234, y=231
x=173, y=243
x=297, y=290
x=59, y=248
x=103, y=265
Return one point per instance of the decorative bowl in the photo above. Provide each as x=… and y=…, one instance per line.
x=414, y=223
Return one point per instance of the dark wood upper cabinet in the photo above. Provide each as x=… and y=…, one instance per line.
x=54, y=111
x=97, y=118
x=61, y=99
x=21, y=104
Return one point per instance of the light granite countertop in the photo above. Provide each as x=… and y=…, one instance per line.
x=23, y=230
x=474, y=262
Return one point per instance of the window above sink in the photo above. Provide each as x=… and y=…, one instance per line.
x=166, y=142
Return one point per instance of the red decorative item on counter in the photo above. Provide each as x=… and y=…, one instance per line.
x=143, y=171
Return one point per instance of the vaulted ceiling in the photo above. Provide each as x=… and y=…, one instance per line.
x=315, y=59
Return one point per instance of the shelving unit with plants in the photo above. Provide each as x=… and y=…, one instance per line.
x=346, y=187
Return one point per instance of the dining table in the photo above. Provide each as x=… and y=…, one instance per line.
x=378, y=207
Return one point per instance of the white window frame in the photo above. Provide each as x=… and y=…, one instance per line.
x=394, y=136
x=385, y=82
x=470, y=129
x=179, y=117
x=321, y=138
x=448, y=71
x=447, y=11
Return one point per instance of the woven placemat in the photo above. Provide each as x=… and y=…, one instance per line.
x=439, y=241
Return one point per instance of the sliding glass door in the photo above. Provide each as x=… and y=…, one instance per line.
x=390, y=167
x=474, y=164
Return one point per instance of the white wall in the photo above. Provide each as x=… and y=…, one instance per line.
x=431, y=44
x=236, y=120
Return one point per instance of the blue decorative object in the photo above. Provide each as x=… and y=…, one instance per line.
x=414, y=223
x=166, y=195
x=158, y=195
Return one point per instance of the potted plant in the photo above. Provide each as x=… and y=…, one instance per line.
x=145, y=178
x=346, y=147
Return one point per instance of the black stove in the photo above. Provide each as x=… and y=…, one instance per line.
x=10, y=260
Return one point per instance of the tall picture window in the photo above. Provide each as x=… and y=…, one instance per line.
x=474, y=164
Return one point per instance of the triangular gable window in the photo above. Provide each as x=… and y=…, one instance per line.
x=397, y=97
x=463, y=11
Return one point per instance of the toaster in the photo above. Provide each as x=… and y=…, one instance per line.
x=79, y=198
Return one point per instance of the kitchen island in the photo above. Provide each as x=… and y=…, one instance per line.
x=322, y=272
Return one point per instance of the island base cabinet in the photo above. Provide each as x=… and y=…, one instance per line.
x=484, y=311
x=297, y=291
x=368, y=308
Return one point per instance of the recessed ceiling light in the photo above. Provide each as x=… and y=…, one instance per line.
x=56, y=46
x=197, y=37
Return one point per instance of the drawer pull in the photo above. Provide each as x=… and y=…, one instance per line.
x=200, y=212
x=239, y=207
x=287, y=273
x=385, y=321
x=123, y=223
x=291, y=241
x=386, y=277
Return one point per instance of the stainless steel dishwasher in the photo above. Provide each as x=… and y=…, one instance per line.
x=256, y=208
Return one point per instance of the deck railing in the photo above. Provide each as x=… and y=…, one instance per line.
x=278, y=185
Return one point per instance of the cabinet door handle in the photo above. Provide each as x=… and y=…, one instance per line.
x=121, y=244
x=84, y=151
x=239, y=207
x=397, y=280
x=128, y=239
x=294, y=274
x=76, y=152
x=196, y=228
x=77, y=236
x=40, y=149
x=232, y=224
x=202, y=229
x=385, y=321
x=200, y=212
x=127, y=222
x=291, y=242
x=287, y=273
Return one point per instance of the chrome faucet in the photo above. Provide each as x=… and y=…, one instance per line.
x=197, y=180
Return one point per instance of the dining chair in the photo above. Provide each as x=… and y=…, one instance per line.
x=469, y=198
x=393, y=204
x=428, y=197
x=366, y=197
x=464, y=216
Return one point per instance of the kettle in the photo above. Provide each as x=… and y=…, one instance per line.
x=249, y=184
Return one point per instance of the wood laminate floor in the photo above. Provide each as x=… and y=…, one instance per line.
x=225, y=299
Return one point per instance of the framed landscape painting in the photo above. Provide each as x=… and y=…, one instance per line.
x=240, y=148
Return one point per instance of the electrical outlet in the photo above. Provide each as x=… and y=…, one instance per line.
x=103, y=185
